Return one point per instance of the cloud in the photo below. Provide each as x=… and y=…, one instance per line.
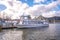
x=57, y=13
x=40, y=9
x=35, y=10
x=17, y=8
x=37, y=1
x=49, y=14
x=5, y=3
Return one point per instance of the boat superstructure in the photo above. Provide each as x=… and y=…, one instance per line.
x=26, y=22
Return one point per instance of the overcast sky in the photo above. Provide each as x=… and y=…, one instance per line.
x=15, y=8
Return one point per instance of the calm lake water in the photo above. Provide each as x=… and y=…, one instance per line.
x=46, y=33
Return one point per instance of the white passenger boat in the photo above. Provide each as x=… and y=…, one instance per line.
x=27, y=22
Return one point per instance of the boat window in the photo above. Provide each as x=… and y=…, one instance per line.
x=25, y=18
x=40, y=22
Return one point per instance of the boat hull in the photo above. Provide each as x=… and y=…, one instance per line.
x=31, y=25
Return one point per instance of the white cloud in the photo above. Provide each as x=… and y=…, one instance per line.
x=37, y=10
x=19, y=8
x=49, y=14
x=6, y=4
x=37, y=1
x=57, y=13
